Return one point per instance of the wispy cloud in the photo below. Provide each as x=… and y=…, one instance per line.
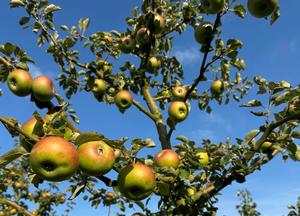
x=188, y=55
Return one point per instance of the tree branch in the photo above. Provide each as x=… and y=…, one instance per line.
x=20, y=209
x=5, y=62
x=141, y=108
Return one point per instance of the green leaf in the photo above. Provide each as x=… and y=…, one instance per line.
x=251, y=135
x=9, y=48
x=11, y=155
x=24, y=20
x=252, y=103
x=296, y=134
x=163, y=188
x=87, y=137
x=77, y=191
x=16, y=3
x=83, y=24
x=275, y=16
x=51, y=8
x=239, y=10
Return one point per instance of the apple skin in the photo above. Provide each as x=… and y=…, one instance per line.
x=99, y=86
x=127, y=44
x=212, y=6
x=262, y=8
x=179, y=91
x=34, y=128
x=142, y=36
x=202, y=158
x=178, y=111
x=217, y=87
x=203, y=33
x=265, y=147
x=159, y=24
x=167, y=158
x=136, y=181
x=154, y=64
x=43, y=88
x=20, y=82
x=96, y=158
x=123, y=99
x=54, y=159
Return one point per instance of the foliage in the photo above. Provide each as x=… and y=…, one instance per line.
x=247, y=206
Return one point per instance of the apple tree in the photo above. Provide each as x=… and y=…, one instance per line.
x=185, y=177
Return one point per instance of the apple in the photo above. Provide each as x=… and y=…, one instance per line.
x=127, y=44
x=167, y=158
x=202, y=158
x=54, y=159
x=96, y=157
x=34, y=128
x=159, y=24
x=204, y=33
x=43, y=88
x=123, y=99
x=20, y=82
x=118, y=153
x=109, y=197
x=262, y=8
x=99, y=86
x=178, y=111
x=212, y=6
x=142, y=36
x=179, y=92
x=136, y=181
x=265, y=147
x=217, y=87
x=154, y=64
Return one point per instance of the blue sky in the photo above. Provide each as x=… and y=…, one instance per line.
x=270, y=51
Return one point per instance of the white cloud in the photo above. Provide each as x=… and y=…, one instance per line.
x=188, y=56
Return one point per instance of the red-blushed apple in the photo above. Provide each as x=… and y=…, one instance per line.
x=127, y=44
x=142, y=36
x=20, y=82
x=136, y=181
x=43, y=88
x=96, y=158
x=204, y=33
x=34, y=128
x=178, y=111
x=262, y=8
x=159, y=24
x=123, y=99
x=99, y=86
x=217, y=87
x=54, y=159
x=212, y=6
x=167, y=158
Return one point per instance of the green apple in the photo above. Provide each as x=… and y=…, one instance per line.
x=167, y=158
x=99, y=86
x=265, y=147
x=109, y=197
x=54, y=159
x=212, y=6
x=203, y=33
x=217, y=87
x=159, y=24
x=43, y=88
x=127, y=44
x=20, y=82
x=34, y=128
x=96, y=158
x=202, y=158
x=154, y=64
x=178, y=111
x=123, y=99
x=142, y=36
x=262, y=8
x=136, y=181
x=179, y=92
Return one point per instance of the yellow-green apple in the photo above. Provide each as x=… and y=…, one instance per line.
x=43, y=88
x=54, y=159
x=178, y=111
x=99, y=86
x=142, y=36
x=204, y=33
x=167, y=158
x=136, y=181
x=154, y=64
x=179, y=91
x=34, y=128
x=123, y=99
x=95, y=157
x=262, y=8
x=19, y=82
x=217, y=87
x=127, y=44
x=159, y=24
x=212, y=6
x=202, y=158
x=265, y=147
